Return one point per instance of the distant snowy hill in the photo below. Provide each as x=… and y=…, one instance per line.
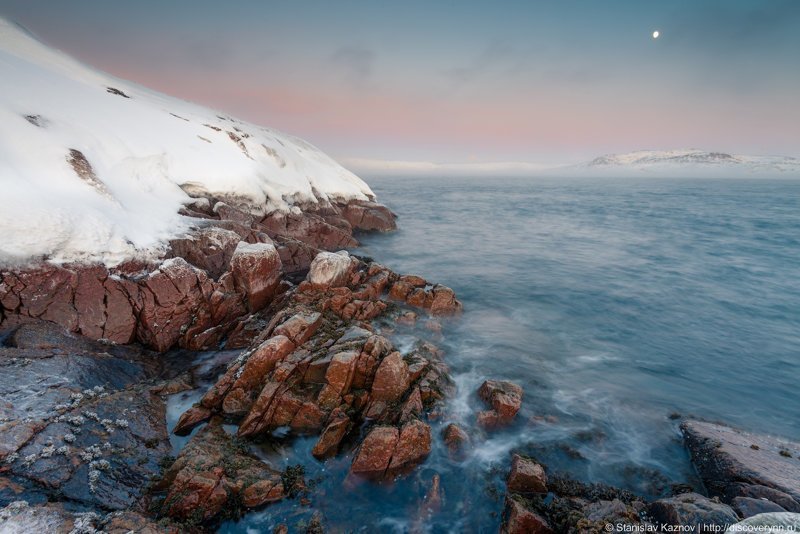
x=95, y=168
x=688, y=161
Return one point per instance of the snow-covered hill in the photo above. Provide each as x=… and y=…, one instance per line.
x=94, y=168
x=687, y=161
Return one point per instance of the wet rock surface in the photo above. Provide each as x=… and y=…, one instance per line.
x=733, y=463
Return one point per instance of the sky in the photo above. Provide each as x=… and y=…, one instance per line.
x=545, y=81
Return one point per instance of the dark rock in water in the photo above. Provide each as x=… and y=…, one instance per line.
x=692, y=509
x=733, y=463
x=455, y=438
x=747, y=506
x=213, y=475
x=519, y=519
x=526, y=476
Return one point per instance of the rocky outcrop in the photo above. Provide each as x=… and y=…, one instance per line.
x=20, y=517
x=736, y=464
x=228, y=266
x=214, y=475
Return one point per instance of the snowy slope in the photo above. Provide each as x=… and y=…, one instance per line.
x=94, y=168
x=683, y=161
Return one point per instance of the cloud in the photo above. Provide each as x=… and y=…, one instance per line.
x=496, y=54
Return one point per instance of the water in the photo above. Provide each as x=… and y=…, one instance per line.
x=615, y=304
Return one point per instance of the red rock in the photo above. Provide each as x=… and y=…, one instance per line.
x=412, y=407
x=262, y=492
x=391, y=379
x=376, y=452
x=413, y=280
x=505, y=398
x=329, y=270
x=330, y=439
x=519, y=520
x=256, y=268
x=253, y=373
x=444, y=302
x=300, y=327
x=400, y=290
x=526, y=476
x=416, y=298
x=90, y=301
x=340, y=371
x=309, y=417
x=258, y=419
x=413, y=446
x=209, y=248
x=455, y=438
x=191, y=418
x=408, y=319
x=369, y=216
x=433, y=497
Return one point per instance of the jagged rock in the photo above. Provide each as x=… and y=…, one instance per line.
x=734, y=463
x=190, y=419
x=413, y=446
x=256, y=268
x=369, y=216
x=692, y=509
x=376, y=452
x=391, y=379
x=212, y=473
x=505, y=399
x=208, y=248
x=330, y=439
x=517, y=519
x=526, y=476
x=329, y=270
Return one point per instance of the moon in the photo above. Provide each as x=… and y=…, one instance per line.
x=656, y=34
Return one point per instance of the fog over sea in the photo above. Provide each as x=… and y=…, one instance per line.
x=616, y=303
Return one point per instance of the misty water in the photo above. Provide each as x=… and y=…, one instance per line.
x=616, y=304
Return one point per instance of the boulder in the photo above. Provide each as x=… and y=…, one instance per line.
x=375, y=453
x=391, y=379
x=455, y=438
x=518, y=519
x=526, y=476
x=413, y=446
x=735, y=463
x=328, y=443
x=747, y=506
x=256, y=269
x=692, y=510
x=329, y=270
x=505, y=399
x=210, y=249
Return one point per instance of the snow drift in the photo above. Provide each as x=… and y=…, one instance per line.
x=94, y=168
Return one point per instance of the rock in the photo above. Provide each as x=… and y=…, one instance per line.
x=210, y=249
x=505, y=399
x=300, y=327
x=369, y=216
x=375, y=453
x=455, y=438
x=444, y=302
x=526, y=476
x=328, y=443
x=692, y=509
x=517, y=519
x=413, y=446
x=212, y=473
x=256, y=268
x=747, y=507
x=190, y=419
x=734, y=463
x=391, y=379
x=329, y=270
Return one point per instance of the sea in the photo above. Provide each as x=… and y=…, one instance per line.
x=621, y=306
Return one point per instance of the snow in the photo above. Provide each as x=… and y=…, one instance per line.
x=694, y=160
x=135, y=154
